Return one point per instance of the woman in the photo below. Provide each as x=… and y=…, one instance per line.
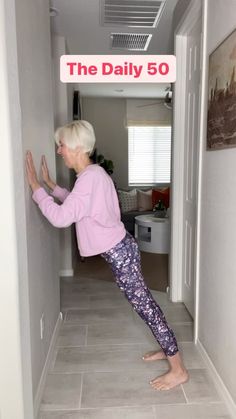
x=93, y=206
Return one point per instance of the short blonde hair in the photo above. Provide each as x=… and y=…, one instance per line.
x=77, y=133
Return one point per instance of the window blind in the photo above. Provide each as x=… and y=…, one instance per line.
x=149, y=154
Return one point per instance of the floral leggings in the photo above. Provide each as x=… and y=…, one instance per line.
x=125, y=262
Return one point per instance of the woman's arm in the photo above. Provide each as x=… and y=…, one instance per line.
x=72, y=210
x=74, y=207
x=31, y=172
x=45, y=174
x=57, y=191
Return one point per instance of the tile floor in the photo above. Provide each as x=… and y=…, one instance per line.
x=97, y=371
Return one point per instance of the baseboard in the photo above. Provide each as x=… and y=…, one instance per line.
x=39, y=394
x=222, y=389
x=66, y=272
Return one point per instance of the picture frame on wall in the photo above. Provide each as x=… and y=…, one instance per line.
x=221, y=116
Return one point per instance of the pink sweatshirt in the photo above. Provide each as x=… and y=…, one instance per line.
x=92, y=205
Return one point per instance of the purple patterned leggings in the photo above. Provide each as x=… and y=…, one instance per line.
x=125, y=262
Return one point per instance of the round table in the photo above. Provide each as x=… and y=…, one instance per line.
x=152, y=233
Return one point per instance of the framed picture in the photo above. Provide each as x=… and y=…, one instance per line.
x=221, y=118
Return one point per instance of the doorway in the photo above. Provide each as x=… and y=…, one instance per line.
x=185, y=170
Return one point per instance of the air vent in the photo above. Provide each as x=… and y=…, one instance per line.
x=133, y=13
x=130, y=41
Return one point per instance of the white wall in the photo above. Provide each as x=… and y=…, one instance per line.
x=217, y=309
x=42, y=257
x=148, y=111
x=15, y=352
x=108, y=116
x=63, y=98
x=179, y=11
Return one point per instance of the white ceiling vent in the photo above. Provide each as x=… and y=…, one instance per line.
x=130, y=41
x=133, y=13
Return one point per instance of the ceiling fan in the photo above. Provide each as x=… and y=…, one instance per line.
x=166, y=101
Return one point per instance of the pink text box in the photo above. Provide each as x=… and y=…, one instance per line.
x=118, y=68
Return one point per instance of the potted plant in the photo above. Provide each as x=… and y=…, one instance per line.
x=160, y=209
x=107, y=165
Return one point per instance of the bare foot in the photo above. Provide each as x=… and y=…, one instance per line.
x=154, y=356
x=170, y=380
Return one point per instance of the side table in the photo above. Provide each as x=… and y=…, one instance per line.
x=152, y=233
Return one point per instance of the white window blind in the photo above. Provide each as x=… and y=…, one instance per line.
x=149, y=154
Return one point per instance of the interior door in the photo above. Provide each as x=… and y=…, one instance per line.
x=190, y=163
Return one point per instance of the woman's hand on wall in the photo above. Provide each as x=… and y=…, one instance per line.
x=45, y=174
x=31, y=172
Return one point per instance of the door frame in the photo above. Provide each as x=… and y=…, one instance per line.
x=192, y=14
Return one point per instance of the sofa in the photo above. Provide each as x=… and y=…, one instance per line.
x=140, y=202
x=128, y=218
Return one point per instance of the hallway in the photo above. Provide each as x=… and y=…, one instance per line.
x=97, y=371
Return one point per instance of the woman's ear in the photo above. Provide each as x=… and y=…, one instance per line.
x=78, y=150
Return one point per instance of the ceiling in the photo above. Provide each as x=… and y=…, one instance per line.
x=80, y=23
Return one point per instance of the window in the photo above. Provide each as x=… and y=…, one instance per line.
x=149, y=154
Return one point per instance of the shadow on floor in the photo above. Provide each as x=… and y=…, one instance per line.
x=154, y=267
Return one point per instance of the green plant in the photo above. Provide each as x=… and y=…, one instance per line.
x=160, y=209
x=107, y=165
x=160, y=206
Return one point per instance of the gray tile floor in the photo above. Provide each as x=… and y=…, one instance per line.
x=98, y=373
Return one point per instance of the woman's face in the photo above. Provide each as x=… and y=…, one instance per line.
x=67, y=154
